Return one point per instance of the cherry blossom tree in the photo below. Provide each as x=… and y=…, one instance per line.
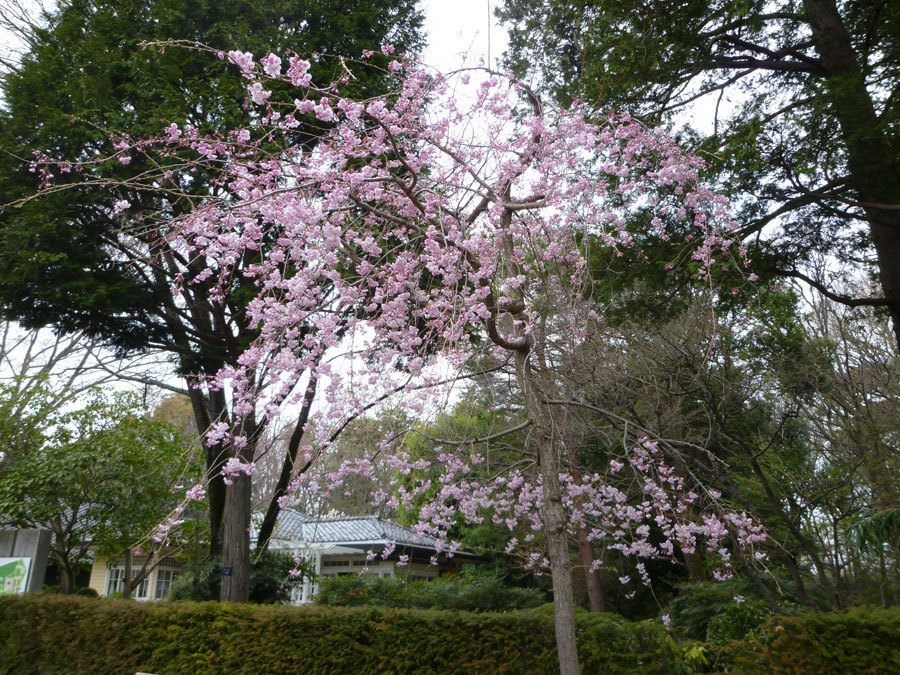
x=449, y=220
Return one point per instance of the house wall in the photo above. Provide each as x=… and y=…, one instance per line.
x=98, y=576
x=100, y=572
x=345, y=564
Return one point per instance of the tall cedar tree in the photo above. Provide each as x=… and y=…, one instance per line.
x=805, y=125
x=69, y=261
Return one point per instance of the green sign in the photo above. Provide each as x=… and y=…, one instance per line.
x=14, y=575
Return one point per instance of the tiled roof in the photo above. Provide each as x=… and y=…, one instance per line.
x=295, y=526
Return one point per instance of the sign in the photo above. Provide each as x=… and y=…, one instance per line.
x=227, y=571
x=14, y=575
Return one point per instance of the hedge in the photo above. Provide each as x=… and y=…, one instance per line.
x=65, y=634
x=859, y=640
x=473, y=590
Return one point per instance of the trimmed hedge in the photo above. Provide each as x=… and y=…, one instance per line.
x=472, y=590
x=65, y=634
x=859, y=640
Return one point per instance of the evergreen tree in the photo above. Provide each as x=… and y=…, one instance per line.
x=70, y=260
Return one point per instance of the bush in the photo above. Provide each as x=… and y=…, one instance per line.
x=476, y=588
x=698, y=603
x=270, y=580
x=85, y=635
x=860, y=640
x=53, y=589
x=738, y=621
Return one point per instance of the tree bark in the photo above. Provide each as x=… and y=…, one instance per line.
x=790, y=561
x=554, y=517
x=205, y=411
x=596, y=601
x=764, y=591
x=236, y=543
x=66, y=574
x=872, y=155
x=126, y=587
x=695, y=566
x=236, y=540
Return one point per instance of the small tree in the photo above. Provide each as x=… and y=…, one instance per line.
x=98, y=477
x=425, y=232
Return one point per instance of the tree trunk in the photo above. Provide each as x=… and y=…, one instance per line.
x=204, y=412
x=236, y=543
x=695, y=566
x=596, y=602
x=126, y=588
x=66, y=574
x=236, y=540
x=790, y=562
x=554, y=517
x=872, y=155
x=764, y=591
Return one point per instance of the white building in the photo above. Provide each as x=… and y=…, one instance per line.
x=334, y=547
x=343, y=546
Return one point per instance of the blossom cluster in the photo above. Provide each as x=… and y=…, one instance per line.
x=417, y=224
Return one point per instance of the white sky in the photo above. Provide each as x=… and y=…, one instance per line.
x=456, y=27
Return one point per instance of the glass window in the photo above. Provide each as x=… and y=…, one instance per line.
x=115, y=582
x=164, y=579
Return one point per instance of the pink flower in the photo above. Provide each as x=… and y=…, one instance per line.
x=196, y=493
x=243, y=60
x=271, y=65
x=258, y=94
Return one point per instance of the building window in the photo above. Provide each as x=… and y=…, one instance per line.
x=360, y=563
x=115, y=582
x=164, y=579
x=335, y=563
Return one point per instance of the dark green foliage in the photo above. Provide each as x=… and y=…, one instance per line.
x=803, y=101
x=82, y=635
x=698, y=603
x=473, y=589
x=861, y=640
x=270, y=580
x=87, y=75
x=738, y=621
x=695, y=610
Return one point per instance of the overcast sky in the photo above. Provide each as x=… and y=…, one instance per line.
x=458, y=26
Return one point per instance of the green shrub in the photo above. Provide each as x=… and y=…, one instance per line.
x=860, y=640
x=738, y=621
x=87, y=592
x=270, y=580
x=698, y=603
x=476, y=588
x=84, y=635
